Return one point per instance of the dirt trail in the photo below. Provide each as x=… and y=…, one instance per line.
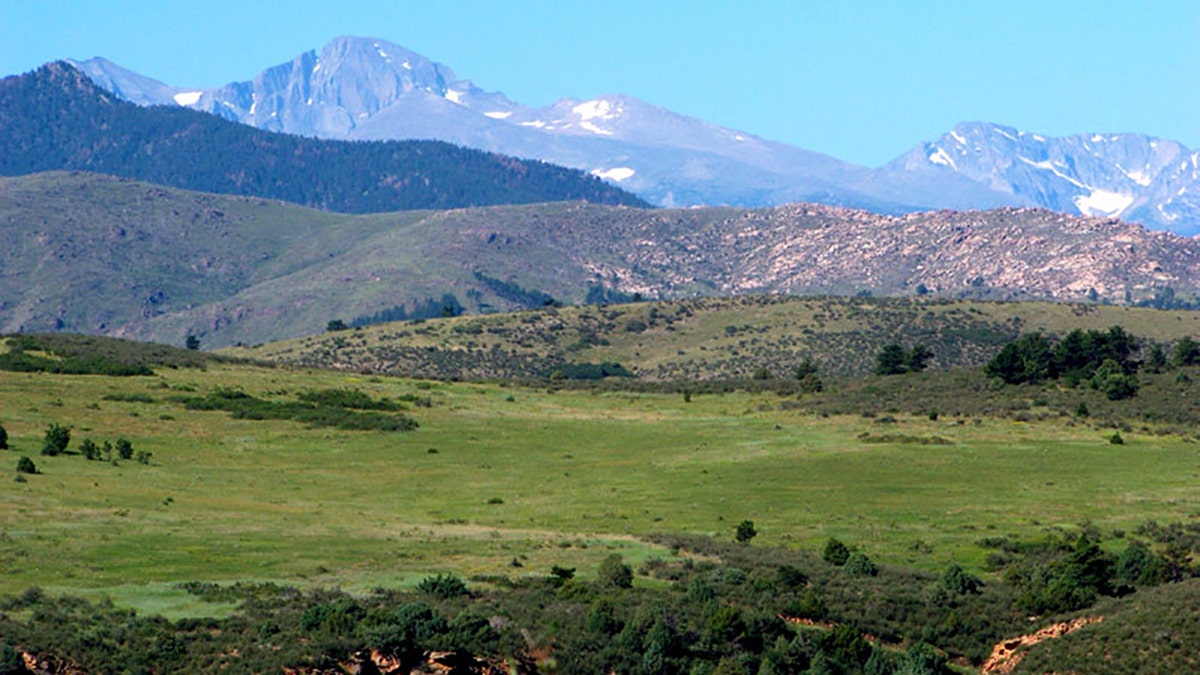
x=1005, y=656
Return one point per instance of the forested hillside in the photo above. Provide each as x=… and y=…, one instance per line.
x=56, y=118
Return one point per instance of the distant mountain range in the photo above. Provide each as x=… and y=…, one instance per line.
x=364, y=88
x=57, y=118
x=88, y=253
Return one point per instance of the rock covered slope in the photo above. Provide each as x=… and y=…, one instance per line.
x=94, y=254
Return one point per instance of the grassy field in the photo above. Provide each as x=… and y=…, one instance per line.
x=509, y=481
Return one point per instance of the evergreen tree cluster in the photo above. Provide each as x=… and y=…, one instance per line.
x=1106, y=359
x=55, y=118
x=507, y=290
x=894, y=359
x=429, y=308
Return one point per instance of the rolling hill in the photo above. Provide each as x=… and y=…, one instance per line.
x=96, y=254
x=708, y=339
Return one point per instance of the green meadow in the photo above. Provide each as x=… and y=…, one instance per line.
x=506, y=480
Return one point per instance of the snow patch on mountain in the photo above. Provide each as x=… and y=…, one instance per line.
x=1045, y=165
x=598, y=109
x=595, y=129
x=188, y=97
x=1140, y=177
x=617, y=174
x=498, y=115
x=939, y=156
x=1103, y=203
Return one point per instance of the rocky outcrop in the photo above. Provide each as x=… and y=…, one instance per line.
x=1006, y=655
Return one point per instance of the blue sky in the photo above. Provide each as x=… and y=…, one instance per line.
x=863, y=81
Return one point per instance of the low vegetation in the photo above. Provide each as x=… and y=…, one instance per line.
x=892, y=523
x=706, y=340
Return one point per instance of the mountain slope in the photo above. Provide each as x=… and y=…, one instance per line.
x=56, y=118
x=371, y=89
x=366, y=88
x=97, y=254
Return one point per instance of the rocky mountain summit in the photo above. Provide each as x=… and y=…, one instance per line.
x=1129, y=176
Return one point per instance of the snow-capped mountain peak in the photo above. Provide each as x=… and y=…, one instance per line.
x=372, y=89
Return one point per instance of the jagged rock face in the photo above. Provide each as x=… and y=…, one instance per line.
x=1129, y=176
x=329, y=94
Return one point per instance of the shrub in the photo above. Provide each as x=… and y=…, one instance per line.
x=811, y=384
x=89, y=449
x=1112, y=380
x=561, y=575
x=860, y=565
x=791, y=577
x=3, y=438
x=614, y=573
x=444, y=586
x=124, y=449
x=26, y=465
x=835, y=553
x=56, y=440
x=957, y=581
x=746, y=531
x=11, y=661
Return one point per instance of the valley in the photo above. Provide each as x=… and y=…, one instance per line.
x=354, y=366
x=500, y=484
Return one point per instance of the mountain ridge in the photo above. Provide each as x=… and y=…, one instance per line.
x=674, y=160
x=56, y=118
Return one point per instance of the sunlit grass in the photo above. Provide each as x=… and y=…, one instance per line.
x=509, y=481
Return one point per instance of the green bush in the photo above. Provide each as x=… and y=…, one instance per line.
x=860, y=565
x=56, y=440
x=347, y=398
x=26, y=465
x=614, y=573
x=11, y=661
x=745, y=531
x=3, y=438
x=956, y=581
x=317, y=410
x=444, y=586
x=835, y=553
